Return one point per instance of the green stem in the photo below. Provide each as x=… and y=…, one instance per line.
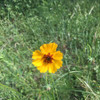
x=46, y=79
x=54, y=88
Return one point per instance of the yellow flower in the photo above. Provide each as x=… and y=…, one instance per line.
x=47, y=58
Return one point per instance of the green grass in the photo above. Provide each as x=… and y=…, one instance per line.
x=74, y=25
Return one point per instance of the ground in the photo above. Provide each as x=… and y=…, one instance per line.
x=74, y=25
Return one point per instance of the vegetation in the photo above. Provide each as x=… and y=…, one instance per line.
x=27, y=24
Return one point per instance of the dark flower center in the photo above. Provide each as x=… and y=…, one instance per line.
x=48, y=58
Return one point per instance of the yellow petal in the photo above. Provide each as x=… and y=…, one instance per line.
x=48, y=48
x=38, y=67
x=51, y=68
x=44, y=48
x=37, y=62
x=43, y=68
x=37, y=54
x=57, y=63
x=53, y=47
x=57, y=55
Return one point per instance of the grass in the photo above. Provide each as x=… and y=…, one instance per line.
x=74, y=25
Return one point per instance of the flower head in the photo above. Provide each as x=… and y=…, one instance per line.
x=47, y=58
